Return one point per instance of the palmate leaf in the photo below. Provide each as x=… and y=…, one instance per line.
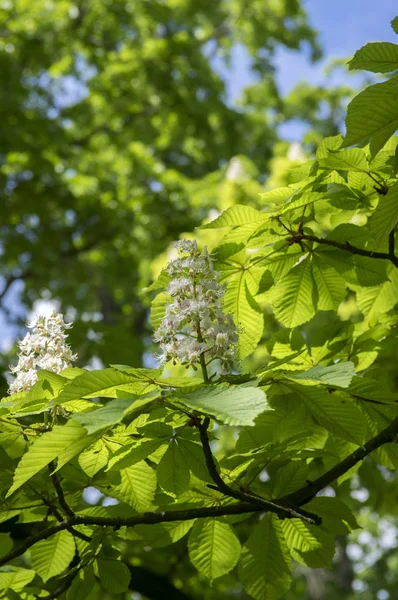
x=265, y=565
x=236, y=215
x=82, y=584
x=113, y=574
x=280, y=262
x=45, y=449
x=339, y=374
x=356, y=270
x=375, y=301
x=300, y=200
x=194, y=457
x=134, y=453
x=231, y=405
x=337, y=518
x=173, y=472
x=158, y=309
x=213, y=548
x=105, y=416
x=290, y=478
x=105, y=383
x=137, y=487
x=330, y=286
x=308, y=544
x=94, y=459
x=242, y=283
x=15, y=579
x=385, y=217
x=378, y=57
x=278, y=194
x=294, y=303
x=333, y=412
x=113, y=412
x=160, y=534
x=364, y=388
x=373, y=116
x=52, y=556
x=353, y=159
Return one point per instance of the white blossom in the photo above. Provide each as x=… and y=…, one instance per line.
x=44, y=348
x=194, y=323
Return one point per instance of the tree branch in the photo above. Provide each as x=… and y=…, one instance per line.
x=298, y=237
x=309, y=491
x=283, y=512
x=59, y=491
x=150, y=518
x=61, y=499
x=255, y=504
x=65, y=585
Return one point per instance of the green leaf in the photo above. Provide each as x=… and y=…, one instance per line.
x=137, y=487
x=105, y=383
x=394, y=24
x=300, y=200
x=385, y=217
x=239, y=302
x=94, y=459
x=378, y=57
x=236, y=215
x=130, y=455
x=330, y=285
x=113, y=574
x=45, y=449
x=158, y=309
x=290, y=478
x=337, y=518
x=232, y=405
x=163, y=534
x=294, y=293
x=364, y=388
x=106, y=416
x=308, y=544
x=52, y=556
x=332, y=411
x=15, y=579
x=339, y=374
x=374, y=301
x=193, y=454
x=6, y=543
x=173, y=471
x=265, y=566
x=353, y=159
x=373, y=116
x=278, y=194
x=213, y=548
x=280, y=263
x=275, y=364
x=82, y=584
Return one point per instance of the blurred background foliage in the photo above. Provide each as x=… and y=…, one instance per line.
x=118, y=135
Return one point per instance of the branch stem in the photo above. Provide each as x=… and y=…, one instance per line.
x=282, y=511
x=298, y=237
x=309, y=491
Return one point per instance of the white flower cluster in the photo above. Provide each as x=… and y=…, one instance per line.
x=44, y=348
x=194, y=323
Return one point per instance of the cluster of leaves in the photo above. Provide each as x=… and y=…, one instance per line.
x=322, y=255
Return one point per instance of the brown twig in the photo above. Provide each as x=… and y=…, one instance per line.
x=283, y=512
x=309, y=491
x=298, y=237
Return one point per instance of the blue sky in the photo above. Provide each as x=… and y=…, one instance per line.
x=344, y=26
